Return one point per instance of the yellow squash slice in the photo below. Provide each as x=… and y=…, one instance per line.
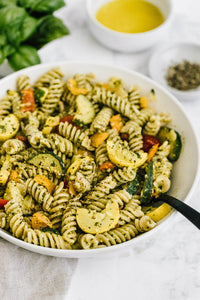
x=8, y=127
x=121, y=156
x=157, y=211
x=94, y=222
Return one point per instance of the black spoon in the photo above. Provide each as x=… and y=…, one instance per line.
x=187, y=211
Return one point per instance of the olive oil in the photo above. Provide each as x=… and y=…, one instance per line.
x=130, y=16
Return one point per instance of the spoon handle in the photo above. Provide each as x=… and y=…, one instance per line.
x=191, y=214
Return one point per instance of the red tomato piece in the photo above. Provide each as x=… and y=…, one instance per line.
x=28, y=100
x=23, y=139
x=68, y=119
x=3, y=202
x=107, y=165
x=149, y=141
x=124, y=136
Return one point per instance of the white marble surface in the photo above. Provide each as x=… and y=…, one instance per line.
x=166, y=267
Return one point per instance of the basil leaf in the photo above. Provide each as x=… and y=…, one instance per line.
x=4, y=3
x=3, y=39
x=42, y=6
x=16, y=24
x=1, y=56
x=28, y=27
x=24, y=56
x=8, y=50
x=49, y=28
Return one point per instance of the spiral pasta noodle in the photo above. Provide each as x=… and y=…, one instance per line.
x=58, y=205
x=46, y=78
x=39, y=193
x=23, y=83
x=13, y=146
x=102, y=119
x=74, y=135
x=69, y=225
x=46, y=239
x=116, y=102
x=5, y=106
x=54, y=93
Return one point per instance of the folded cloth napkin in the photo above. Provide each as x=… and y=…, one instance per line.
x=25, y=275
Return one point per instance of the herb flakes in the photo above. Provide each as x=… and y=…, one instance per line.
x=184, y=76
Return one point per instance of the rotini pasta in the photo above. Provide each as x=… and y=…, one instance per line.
x=60, y=162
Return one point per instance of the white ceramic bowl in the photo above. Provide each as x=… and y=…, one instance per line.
x=128, y=42
x=167, y=55
x=182, y=183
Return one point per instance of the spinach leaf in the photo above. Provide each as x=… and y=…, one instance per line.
x=24, y=56
x=42, y=6
x=49, y=28
x=16, y=24
x=4, y=3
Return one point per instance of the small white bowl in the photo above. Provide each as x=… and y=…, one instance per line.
x=168, y=55
x=128, y=42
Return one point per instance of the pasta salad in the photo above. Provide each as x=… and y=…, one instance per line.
x=81, y=161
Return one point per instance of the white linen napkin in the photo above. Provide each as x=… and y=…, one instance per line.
x=26, y=275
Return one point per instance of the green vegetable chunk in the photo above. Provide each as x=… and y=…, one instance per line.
x=133, y=187
x=50, y=162
x=40, y=95
x=148, y=185
x=85, y=112
x=174, y=139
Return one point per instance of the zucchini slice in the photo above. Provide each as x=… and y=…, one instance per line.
x=133, y=187
x=40, y=95
x=174, y=139
x=50, y=162
x=85, y=112
x=8, y=127
x=148, y=185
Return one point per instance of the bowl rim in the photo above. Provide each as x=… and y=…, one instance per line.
x=125, y=34
x=112, y=249
x=166, y=48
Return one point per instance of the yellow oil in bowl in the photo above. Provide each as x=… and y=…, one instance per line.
x=130, y=16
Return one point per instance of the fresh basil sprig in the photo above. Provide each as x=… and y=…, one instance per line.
x=49, y=28
x=25, y=26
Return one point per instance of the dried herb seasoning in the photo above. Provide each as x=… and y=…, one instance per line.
x=184, y=76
